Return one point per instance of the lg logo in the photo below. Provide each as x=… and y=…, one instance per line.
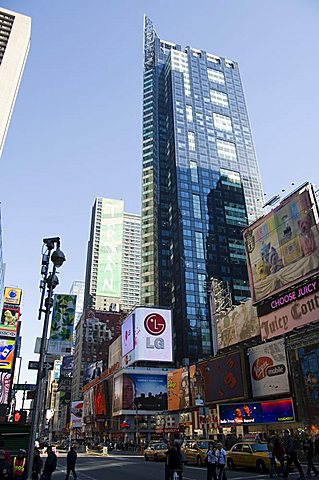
x=154, y=324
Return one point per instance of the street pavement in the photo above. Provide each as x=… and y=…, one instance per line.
x=134, y=467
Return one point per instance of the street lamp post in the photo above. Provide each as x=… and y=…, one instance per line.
x=137, y=406
x=47, y=285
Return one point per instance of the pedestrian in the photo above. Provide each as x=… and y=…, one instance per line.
x=279, y=454
x=19, y=466
x=211, y=462
x=292, y=454
x=272, y=459
x=50, y=464
x=5, y=467
x=37, y=464
x=221, y=459
x=70, y=463
x=309, y=449
x=173, y=462
x=316, y=445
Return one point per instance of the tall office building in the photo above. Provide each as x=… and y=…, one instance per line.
x=15, y=31
x=201, y=185
x=113, y=267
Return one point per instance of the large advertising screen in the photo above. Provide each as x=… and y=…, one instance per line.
x=9, y=322
x=92, y=371
x=152, y=336
x=5, y=383
x=76, y=414
x=268, y=369
x=115, y=353
x=110, y=250
x=100, y=400
x=12, y=296
x=223, y=378
x=282, y=247
x=140, y=391
x=237, y=325
x=6, y=353
x=127, y=335
x=62, y=325
x=67, y=366
x=278, y=411
x=180, y=388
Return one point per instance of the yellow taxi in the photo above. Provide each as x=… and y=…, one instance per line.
x=156, y=452
x=249, y=455
x=195, y=451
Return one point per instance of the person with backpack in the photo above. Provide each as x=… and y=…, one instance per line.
x=70, y=463
x=221, y=459
x=292, y=454
x=211, y=462
x=50, y=464
x=5, y=467
x=309, y=449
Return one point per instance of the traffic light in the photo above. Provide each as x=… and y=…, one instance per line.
x=20, y=416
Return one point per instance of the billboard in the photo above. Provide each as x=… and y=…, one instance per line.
x=12, y=296
x=5, y=383
x=92, y=371
x=67, y=366
x=278, y=411
x=62, y=324
x=110, y=249
x=237, y=325
x=9, y=322
x=127, y=335
x=145, y=392
x=152, y=336
x=100, y=400
x=223, y=378
x=296, y=314
x=282, y=246
x=115, y=353
x=76, y=414
x=6, y=353
x=268, y=369
x=179, y=388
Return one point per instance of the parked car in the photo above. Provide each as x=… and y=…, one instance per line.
x=249, y=455
x=195, y=451
x=156, y=452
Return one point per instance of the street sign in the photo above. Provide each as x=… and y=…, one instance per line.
x=24, y=386
x=33, y=365
x=48, y=366
x=31, y=395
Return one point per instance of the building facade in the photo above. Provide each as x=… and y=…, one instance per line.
x=15, y=31
x=114, y=257
x=77, y=289
x=200, y=185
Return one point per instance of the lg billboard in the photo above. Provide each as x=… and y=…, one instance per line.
x=152, y=328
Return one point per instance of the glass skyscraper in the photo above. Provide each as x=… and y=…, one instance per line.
x=200, y=187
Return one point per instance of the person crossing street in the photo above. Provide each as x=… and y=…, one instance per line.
x=70, y=463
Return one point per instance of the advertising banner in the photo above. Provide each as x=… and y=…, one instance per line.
x=6, y=353
x=282, y=247
x=180, y=387
x=76, y=414
x=88, y=406
x=223, y=378
x=5, y=383
x=92, y=371
x=110, y=250
x=100, y=400
x=62, y=325
x=115, y=353
x=152, y=336
x=67, y=366
x=278, y=411
x=9, y=322
x=293, y=315
x=12, y=296
x=237, y=325
x=268, y=369
x=128, y=335
x=140, y=391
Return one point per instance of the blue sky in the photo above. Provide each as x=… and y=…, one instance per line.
x=76, y=129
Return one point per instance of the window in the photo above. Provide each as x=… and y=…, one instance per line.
x=226, y=150
x=191, y=141
x=196, y=206
x=219, y=98
x=216, y=76
x=199, y=245
x=194, y=172
x=189, y=113
x=222, y=123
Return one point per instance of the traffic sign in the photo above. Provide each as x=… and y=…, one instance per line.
x=48, y=366
x=24, y=386
x=33, y=365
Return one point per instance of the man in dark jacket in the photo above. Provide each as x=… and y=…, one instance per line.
x=50, y=463
x=5, y=467
x=37, y=464
x=173, y=462
x=309, y=449
x=292, y=454
x=70, y=463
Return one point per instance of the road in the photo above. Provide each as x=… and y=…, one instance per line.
x=130, y=467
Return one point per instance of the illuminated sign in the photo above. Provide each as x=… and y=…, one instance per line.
x=279, y=411
x=127, y=335
x=9, y=322
x=12, y=296
x=6, y=353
